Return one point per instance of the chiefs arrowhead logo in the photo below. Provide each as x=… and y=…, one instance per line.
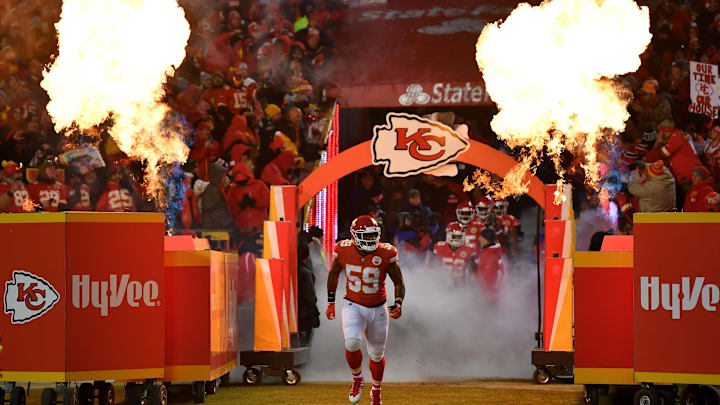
x=28, y=297
x=409, y=144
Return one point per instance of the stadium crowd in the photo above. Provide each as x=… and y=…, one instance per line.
x=252, y=90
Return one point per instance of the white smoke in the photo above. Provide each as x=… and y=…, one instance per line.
x=445, y=332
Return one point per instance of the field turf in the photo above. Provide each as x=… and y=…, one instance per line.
x=425, y=393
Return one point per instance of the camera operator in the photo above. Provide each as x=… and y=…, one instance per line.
x=415, y=224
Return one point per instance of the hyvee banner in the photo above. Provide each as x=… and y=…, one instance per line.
x=704, y=97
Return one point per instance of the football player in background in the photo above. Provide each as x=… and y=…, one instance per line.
x=456, y=256
x=365, y=262
x=490, y=266
x=507, y=226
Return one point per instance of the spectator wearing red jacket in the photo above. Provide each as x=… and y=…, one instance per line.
x=248, y=199
x=712, y=152
x=701, y=187
x=205, y=150
x=277, y=172
x=677, y=150
x=15, y=197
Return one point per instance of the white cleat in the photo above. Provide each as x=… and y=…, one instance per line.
x=356, y=390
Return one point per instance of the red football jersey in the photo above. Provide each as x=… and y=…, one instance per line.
x=239, y=99
x=116, y=198
x=84, y=203
x=365, y=274
x=454, y=260
x=508, y=223
x=18, y=198
x=472, y=231
x=48, y=196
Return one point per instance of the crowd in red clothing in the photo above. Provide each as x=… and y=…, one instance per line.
x=250, y=90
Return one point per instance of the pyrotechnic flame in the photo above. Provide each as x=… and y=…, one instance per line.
x=113, y=58
x=549, y=69
x=29, y=205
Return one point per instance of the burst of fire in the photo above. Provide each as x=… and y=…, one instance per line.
x=550, y=71
x=113, y=58
x=29, y=205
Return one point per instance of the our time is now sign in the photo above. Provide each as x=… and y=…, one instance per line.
x=704, y=94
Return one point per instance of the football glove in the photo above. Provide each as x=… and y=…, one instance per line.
x=330, y=311
x=396, y=309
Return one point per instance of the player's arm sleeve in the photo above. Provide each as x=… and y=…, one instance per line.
x=393, y=254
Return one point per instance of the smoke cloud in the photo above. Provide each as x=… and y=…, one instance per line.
x=445, y=332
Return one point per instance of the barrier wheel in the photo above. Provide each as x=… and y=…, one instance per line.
x=252, y=376
x=70, y=395
x=691, y=395
x=159, y=395
x=17, y=396
x=86, y=393
x=225, y=380
x=198, y=393
x=134, y=394
x=709, y=395
x=542, y=376
x=107, y=394
x=291, y=377
x=211, y=387
x=592, y=395
x=667, y=396
x=647, y=396
x=48, y=397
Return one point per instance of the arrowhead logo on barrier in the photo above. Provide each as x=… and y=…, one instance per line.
x=28, y=296
x=409, y=144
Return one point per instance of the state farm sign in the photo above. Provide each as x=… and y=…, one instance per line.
x=444, y=93
x=409, y=144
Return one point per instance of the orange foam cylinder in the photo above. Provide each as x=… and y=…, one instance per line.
x=268, y=305
x=563, y=211
x=558, y=315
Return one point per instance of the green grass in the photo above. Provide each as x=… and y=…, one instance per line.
x=425, y=393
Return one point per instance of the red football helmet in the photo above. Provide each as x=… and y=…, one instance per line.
x=500, y=208
x=464, y=212
x=483, y=207
x=454, y=234
x=365, y=232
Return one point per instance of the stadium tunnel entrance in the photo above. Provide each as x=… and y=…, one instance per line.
x=359, y=156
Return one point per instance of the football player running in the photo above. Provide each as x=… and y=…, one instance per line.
x=456, y=256
x=365, y=262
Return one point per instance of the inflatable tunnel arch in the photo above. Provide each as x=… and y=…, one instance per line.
x=360, y=156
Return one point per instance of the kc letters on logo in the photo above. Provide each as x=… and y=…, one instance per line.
x=409, y=144
x=28, y=296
